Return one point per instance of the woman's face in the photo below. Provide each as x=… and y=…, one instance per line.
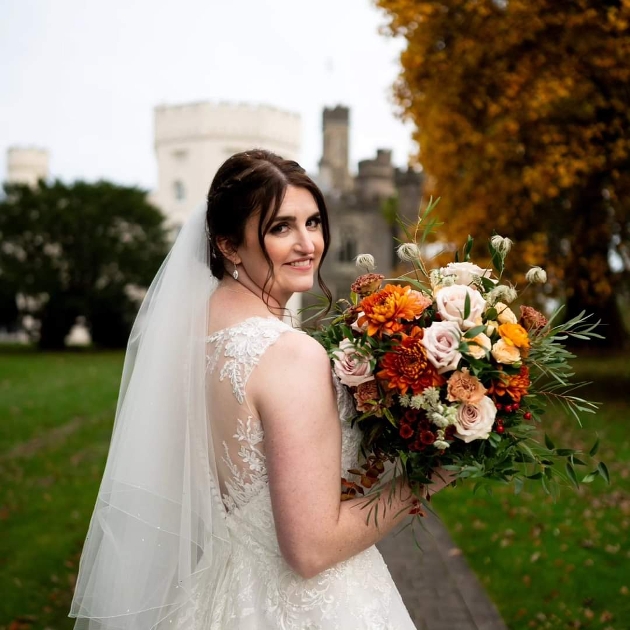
x=294, y=243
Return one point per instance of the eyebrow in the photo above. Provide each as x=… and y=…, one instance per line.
x=291, y=219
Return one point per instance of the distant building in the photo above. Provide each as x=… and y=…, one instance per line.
x=361, y=207
x=27, y=165
x=193, y=140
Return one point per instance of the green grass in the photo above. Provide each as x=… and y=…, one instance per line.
x=546, y=565
x=57, y=412
x=564, y=564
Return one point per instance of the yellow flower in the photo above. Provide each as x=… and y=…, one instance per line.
x=514, y=335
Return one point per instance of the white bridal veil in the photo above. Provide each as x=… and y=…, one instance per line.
x=158, y=528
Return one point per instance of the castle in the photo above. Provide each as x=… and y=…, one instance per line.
x=192, y=141
x=362, y=208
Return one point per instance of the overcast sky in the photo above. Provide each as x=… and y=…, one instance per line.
x=81, y=77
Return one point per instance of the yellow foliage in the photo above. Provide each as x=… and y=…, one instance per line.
x=521, y=111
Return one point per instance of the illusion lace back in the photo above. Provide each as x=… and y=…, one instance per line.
x=260, y=591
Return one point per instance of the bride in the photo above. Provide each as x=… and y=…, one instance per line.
x=220, y=503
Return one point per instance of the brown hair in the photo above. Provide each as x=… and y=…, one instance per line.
x=249, y=182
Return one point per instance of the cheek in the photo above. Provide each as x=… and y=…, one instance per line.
x=319, y=241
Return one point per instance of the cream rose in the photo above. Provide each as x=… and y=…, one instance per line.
x=479, y=345
x=451, y=302
x=474, y=422
x=441, y=341
x=491, y=327
x=465, y=272
x=504, y=353
x=505, y=315
x=352, y=367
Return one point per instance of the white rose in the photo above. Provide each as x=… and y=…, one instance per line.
x=474, y=422
x=352, y=367
x=465, y=272
x=441, y=341
x=505, y=314
x=491, y=327
x=451, y=303
x=504, y=353
x=479, y=345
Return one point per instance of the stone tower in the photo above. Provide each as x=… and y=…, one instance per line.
x=27, y=165
x=334, y=173
x=193, y=140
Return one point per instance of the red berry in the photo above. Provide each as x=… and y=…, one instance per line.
x=500, y=429
x=499, y=406
x=527, y=415
x=516, y=406
x=509, y=408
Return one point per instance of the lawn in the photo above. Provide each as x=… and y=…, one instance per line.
x=57, y=412
x=564, y=564
x=546, y=565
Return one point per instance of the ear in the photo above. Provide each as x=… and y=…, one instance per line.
x=226, y=247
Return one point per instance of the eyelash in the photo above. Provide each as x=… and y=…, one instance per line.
x=277, y=229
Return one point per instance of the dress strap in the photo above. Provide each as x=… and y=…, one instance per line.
x=242, y=345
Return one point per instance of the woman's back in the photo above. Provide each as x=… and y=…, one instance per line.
x=260, y=589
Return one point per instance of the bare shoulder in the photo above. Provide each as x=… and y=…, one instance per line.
x=295, y=369
x=294, y=347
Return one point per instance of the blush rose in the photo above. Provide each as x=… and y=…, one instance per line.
x=351, y=366
x=474, y=422
x=441, y=341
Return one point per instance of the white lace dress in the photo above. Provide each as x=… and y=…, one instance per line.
x=262, y=592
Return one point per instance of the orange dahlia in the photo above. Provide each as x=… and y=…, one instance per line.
x=407, y=367
x=384, y=310
x=515, y=386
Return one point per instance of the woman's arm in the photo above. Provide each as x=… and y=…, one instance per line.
x=293, y=393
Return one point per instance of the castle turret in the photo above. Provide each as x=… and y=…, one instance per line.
x=193, y=140
x=27, y=165
x=334, y=174
x=375, y=180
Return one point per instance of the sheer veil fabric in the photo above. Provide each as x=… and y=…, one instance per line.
x=158, y=530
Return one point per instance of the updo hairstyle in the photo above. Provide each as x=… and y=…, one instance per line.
x=253, y=182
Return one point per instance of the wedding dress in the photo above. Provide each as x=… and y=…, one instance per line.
x=259, y=590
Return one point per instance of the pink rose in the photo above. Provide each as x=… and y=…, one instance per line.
x=451, y=303
x=441, y=341
x=474, y=422
x=351, y=366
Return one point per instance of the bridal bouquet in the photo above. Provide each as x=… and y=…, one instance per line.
x=444, y=371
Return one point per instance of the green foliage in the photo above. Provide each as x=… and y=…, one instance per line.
x=74, y=249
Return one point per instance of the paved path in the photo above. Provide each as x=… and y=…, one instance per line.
x=439, y=589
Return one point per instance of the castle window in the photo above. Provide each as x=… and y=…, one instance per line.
x=348, y=249
x=179, y=190
x=180, y=155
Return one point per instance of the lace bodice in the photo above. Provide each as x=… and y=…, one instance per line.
x=235, y=352
x=260, y=591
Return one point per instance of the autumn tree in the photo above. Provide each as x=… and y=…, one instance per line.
x=77, y=249
x=522, y=116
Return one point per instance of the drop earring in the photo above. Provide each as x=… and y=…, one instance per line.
x=235, y=272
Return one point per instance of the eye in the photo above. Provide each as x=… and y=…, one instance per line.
x=314, y=222
x=279, y=228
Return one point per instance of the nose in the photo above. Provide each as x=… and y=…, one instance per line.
x=306, y=241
